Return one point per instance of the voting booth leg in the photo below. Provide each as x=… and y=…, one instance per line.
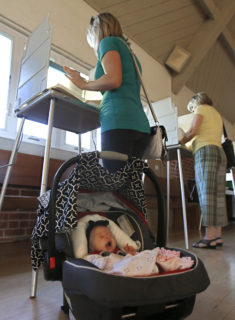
x=200, y=223
x=34, y=284
x=231, y=171
x=183, y=199
x=46, y=160
x=79, y=143
x=168, y=198
x=11, y=161
x=45, y=170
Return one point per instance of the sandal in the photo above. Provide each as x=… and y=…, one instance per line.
x=219, y=242
x=206, y=244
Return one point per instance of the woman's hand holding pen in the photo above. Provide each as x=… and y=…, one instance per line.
x=75, y=77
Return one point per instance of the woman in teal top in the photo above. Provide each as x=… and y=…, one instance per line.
x=124, y=125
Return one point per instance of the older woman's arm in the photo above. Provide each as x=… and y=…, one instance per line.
x=191, y=133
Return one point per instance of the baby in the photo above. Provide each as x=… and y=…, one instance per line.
x=100, y=239
x=104, y=253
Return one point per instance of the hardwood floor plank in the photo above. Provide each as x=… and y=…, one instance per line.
x=216, y=303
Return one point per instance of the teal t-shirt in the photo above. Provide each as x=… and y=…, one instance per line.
x=121, y=108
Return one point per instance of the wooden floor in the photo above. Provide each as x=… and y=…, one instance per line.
x=216, y=303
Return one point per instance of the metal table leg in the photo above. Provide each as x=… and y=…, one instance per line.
x=183, y=199
x=45, y=170
x=231, y=172
x=11, y=161
x=34, y=284
x=79, y=143
x=168, y=198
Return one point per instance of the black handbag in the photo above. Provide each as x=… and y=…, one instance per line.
x=228, y=149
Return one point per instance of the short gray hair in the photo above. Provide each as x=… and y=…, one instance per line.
x=198, y=99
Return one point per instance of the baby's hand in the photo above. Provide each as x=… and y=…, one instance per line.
x=130, y=249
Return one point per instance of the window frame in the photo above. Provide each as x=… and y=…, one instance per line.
x=4, y=34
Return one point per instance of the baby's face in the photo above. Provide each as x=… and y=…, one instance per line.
x=101, y=239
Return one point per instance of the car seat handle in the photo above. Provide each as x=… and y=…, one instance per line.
x=112, y=155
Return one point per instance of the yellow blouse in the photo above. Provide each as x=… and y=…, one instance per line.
x=211, y=128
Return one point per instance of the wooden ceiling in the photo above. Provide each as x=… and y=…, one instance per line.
x=204, y=28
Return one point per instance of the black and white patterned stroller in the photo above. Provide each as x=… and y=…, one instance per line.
x=90, y=293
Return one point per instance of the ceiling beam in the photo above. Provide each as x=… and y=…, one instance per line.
x=203, y=41
x=208, y=6
x=229, y=41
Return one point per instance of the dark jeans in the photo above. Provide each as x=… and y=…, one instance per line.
x=130, y=142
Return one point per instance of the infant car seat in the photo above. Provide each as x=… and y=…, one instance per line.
x=90, y=293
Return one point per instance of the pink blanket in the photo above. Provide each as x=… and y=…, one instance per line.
x=143, y=263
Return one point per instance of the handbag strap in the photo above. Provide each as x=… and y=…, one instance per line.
x=141, y=80
x=225, y=132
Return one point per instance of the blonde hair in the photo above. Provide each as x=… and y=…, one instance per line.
x=197, y=100
x=102, y=26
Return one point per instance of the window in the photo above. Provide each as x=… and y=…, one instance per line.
x=34, y=131
x=5, y=67
x=73, y=140
x=98, y=139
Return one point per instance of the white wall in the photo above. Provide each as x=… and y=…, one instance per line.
x=181, y=100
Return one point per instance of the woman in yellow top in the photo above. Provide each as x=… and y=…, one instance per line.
x=210, y=168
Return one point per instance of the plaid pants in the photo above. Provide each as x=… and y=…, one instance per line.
x=210, y=175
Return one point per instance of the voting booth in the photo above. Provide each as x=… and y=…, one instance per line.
x=167, y=115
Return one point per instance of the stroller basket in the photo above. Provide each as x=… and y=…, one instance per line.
x=89, y=292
